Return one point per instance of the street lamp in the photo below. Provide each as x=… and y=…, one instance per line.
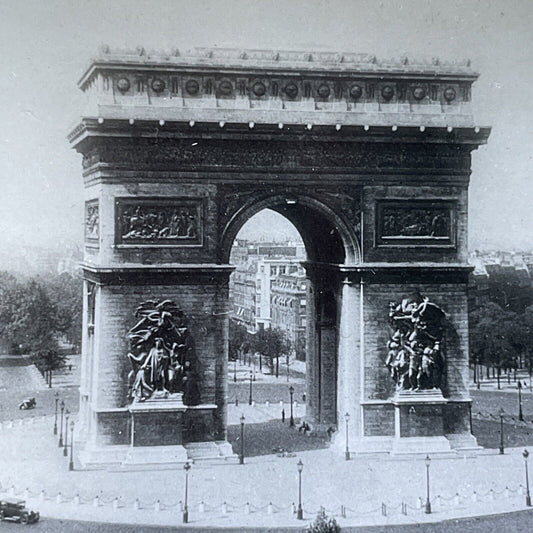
x=520, y=414
x=55, y=413
x=287, y=361
x=62, y=405
x=300, y=514
x=347, y=452
x=65, y=449
x=251, y=381
x=428, y=503
x=525, y=453
x=291, y=392
x=186, y=467
x=501, y=413
x=71, y=463
x=234, y=370
x=241, y=458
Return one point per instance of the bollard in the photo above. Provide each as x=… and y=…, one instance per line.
x=42, y=496
x=491, y=494
x=157, y=506
x=404, y=508
x=59, y=498
x=267, y=404
x=253, y=403
x=474, y=496
x=506, y=492
x=236, y=402
x=293, y=508
x=26, y=493
x=383, y=509
x=77, y=499
x=456, y=499
x=12, y=490
x=115, y=504
x=96, y=501
x=201, y=507
x=180, y=506
x=438, y=502
x=343, y=511
x=224, y=508
x=136, y=504
x=270, y=508
x=419, y=503
x=247, y=508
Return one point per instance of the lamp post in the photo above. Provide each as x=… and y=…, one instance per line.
x=287, y=361
x=501, y=413
x=186, y=467
x=525, y=453
x=347, y=452
x=241, y=458
x=71, y=462
x=300, y=513
x=520, y=414
x=291, y=392
x=55, y=413
x=234, y=370
x=65, y=449
x=428, y=503
x=251, y=381
x=62, y=405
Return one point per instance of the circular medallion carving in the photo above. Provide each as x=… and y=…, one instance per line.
x=449, y=94
x=323, y=91
x=123, y=84
x=356, y=91
x=419, y=93
x=225, y=87
x=259, y=88
x=192, y=86
x=158, y=85
x=291, y=90
x=387, y=92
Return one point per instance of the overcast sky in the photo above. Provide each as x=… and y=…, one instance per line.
x=47, y=44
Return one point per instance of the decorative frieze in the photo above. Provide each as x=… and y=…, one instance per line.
x=158, y=221
x=274, y=155
x=415, y=222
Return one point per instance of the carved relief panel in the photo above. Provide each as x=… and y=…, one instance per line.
x=415, y=222
x=92, y=221
x=159, y=221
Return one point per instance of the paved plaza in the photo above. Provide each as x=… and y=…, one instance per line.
x=362, y=491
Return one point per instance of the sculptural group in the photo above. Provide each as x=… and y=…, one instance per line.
x=161, y=354
x=415, y=358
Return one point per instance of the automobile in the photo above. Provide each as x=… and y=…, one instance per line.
x=28, y=403
x=15, y=510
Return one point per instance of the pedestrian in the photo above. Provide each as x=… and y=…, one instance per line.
x=283, y=415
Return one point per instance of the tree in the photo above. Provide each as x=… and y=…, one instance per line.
x=271, y=343
x=494, y=340
x=47, y=361
x=66, y=294
x=239, y=339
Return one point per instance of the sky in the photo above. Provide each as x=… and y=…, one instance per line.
x=46, y=46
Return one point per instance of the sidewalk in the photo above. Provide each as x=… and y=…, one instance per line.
x=262, y=491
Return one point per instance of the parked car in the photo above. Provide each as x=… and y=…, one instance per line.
x=15, y=510
x=28, y=403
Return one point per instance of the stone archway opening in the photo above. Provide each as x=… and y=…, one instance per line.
x=322, y=239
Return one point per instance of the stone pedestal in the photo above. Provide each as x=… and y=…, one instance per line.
x=157, y=421
x=419, y=422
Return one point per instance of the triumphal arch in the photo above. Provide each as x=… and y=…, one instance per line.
x=369, y=159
